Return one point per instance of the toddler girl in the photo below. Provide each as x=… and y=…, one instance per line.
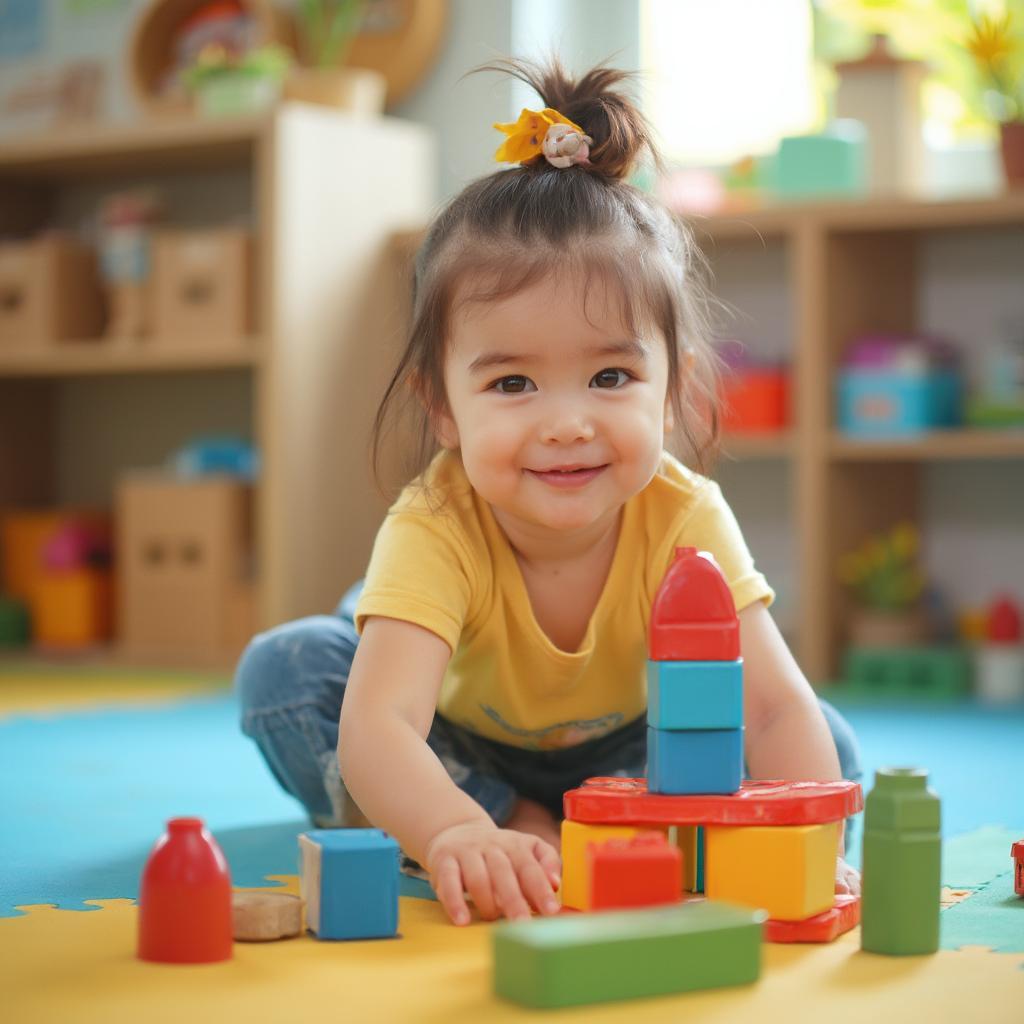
x=495, y=656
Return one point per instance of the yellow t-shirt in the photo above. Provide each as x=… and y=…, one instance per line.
x=453, y=572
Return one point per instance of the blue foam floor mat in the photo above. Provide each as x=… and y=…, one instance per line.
x=84, y=794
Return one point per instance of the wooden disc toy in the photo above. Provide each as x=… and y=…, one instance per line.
x=265, y=916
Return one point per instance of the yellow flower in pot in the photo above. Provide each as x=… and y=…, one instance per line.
x=326, y=30
x=886, y=581
x=996, y=50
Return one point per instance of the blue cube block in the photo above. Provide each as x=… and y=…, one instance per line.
x=694, y=760
x=349, y=879
x=695, y=694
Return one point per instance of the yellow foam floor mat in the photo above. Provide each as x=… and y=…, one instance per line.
x=67, y=966
x=45, y=688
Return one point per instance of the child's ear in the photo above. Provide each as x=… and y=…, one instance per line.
x=445, y=429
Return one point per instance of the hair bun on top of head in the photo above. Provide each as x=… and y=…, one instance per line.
x=587, y=121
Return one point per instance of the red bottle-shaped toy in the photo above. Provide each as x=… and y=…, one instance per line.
x=185, y=898
x=693, y=617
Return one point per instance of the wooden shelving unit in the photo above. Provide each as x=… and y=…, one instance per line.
x=327, y=192
x=853, y=268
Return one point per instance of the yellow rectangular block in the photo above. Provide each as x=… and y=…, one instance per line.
x=575, y=837
x=788, y=870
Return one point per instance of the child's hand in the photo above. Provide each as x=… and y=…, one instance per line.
x=847, y=878
x=505, y=872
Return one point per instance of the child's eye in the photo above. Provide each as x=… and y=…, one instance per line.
x=610, y=379
x=514, y=385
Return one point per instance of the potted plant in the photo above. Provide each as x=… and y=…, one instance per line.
x=996, y=51
x=326, y=30
x=887, y=584
x=227, y=84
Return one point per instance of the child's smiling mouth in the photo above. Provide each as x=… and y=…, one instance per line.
x=568, y=476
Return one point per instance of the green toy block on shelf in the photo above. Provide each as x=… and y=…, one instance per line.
x=14, y=622
x=595, y=958
x=906, y=673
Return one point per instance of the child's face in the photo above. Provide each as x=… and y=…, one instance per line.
x=535, y=386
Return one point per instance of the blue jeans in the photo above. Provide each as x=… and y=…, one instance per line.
x=291, y=684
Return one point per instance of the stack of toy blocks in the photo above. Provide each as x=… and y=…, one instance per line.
x=349, y=880
x=694, y=682
x=769, y=845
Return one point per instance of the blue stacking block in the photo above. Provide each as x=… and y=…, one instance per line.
x=687, y=761
x=695, y=694
x=349, y=881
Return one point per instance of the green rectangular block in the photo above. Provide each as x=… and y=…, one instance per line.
x=626, y=954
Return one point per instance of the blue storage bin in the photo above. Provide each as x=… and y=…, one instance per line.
x=893, y=403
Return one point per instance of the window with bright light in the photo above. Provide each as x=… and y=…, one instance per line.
x=727, y=78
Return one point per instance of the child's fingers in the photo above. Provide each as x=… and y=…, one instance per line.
x=535, y=882
x=505, y=883
x=549, y=861
x=447, y=883
x=478, y=884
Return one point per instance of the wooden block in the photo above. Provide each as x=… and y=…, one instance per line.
x=694, y=760
x=626, y=954
x=824, y=927
x=695, y=694
x=576, y=838
x=645, y=871
x=265, y=916
x=687, y=839
x=788, y=870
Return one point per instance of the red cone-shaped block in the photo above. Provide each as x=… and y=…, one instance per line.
x=693, y=617
x=185, y=898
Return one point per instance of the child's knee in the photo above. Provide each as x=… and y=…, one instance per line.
x=274, y=667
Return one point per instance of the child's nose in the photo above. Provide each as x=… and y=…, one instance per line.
x=567, y=425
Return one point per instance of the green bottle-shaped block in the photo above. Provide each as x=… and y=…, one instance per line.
x=901, y=865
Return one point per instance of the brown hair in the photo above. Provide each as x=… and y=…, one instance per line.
x=510, y=229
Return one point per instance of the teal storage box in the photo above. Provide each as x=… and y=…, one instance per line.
x=831, y=163
x=695, y=694
x=893, y=403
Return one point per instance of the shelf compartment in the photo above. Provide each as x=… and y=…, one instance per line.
x=162, y=144
x=937, y=446
x=129, y=356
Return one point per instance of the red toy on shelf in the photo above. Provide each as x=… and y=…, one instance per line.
x=641, y=872
x=693, y=617
x=185, y=898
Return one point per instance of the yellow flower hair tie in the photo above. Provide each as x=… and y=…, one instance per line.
x=544, y=133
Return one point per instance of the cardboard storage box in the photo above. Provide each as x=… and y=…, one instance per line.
x=202, y=287
x=49, y=291
x=183, y=563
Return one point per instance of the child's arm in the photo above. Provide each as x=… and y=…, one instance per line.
x=400, y=785
x=787, y=735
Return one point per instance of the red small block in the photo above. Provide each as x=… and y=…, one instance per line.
x=1017, y=853
x=693, y=617
x=824, y=927
x=614, y=801
x=641, y=872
